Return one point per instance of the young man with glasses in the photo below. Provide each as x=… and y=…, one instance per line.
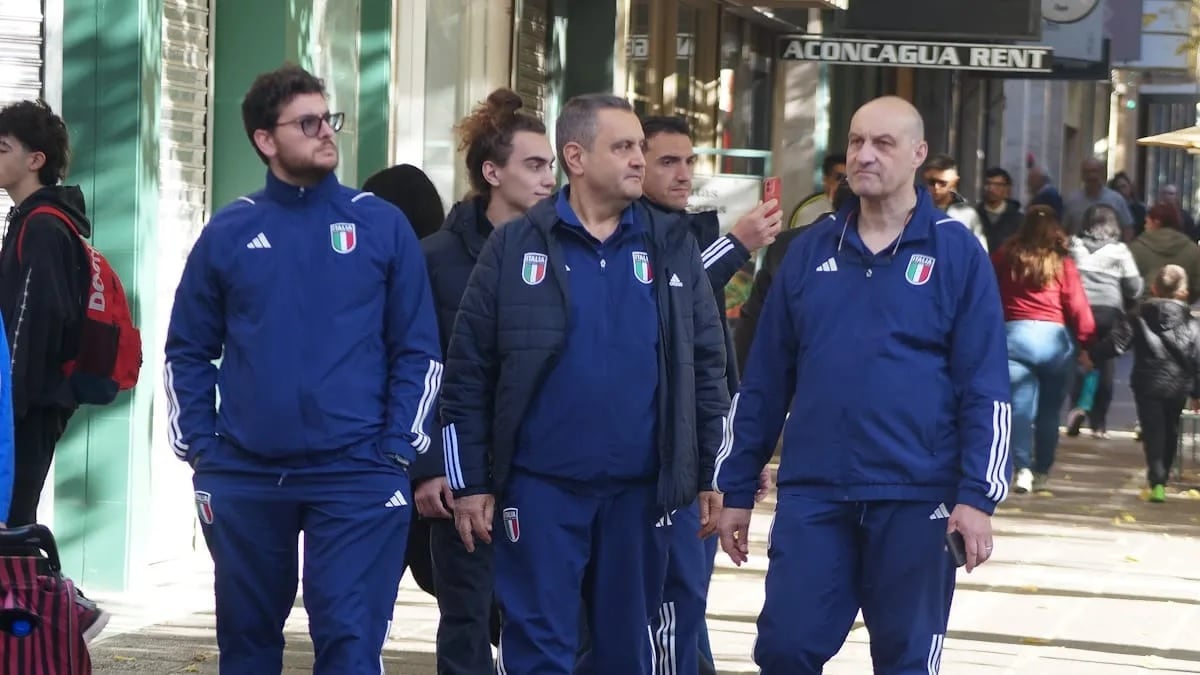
x=316, y=300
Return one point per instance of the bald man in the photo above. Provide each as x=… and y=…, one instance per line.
x=1094, y=191
x=883, y=337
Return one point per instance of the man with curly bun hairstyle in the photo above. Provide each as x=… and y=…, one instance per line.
x=511, y=167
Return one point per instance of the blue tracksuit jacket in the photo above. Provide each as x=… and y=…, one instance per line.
x=894, y=367
x=320, y=300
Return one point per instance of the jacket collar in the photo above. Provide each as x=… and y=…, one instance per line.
x=468, y=221
x=920, y=225
x=289, y=195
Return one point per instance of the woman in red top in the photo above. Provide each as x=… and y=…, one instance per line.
x=1046, y=315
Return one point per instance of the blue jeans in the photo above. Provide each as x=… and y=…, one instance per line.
x=1040, y=358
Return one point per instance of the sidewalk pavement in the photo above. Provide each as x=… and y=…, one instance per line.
x=1087, y=579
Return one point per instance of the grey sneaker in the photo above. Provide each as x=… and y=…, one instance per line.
x=1041, y=482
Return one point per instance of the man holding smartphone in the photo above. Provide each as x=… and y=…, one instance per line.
x=882, y=348
x=681, y=636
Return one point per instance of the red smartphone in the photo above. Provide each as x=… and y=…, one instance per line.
x=773, y=189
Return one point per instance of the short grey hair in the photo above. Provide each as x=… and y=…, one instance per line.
x=577, y=121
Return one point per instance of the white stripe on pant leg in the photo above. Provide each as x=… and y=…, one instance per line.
x=935, y=654
x=387, y=631
x=672, y=665
x=500, y=669
x=653, y=655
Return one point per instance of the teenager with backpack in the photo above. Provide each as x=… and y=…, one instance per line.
x=45, y=277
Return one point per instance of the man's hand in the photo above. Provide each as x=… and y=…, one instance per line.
x=756, y=229
x=976, y=529
x=764, y=485
x=710, y=512
x=430, y=495
x=473, y=518
x=735, y=534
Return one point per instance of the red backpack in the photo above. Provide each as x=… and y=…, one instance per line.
x=110, y=346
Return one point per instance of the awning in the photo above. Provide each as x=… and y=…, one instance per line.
x=1187, y=139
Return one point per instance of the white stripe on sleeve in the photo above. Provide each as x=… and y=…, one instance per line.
x=997, y=477
x=174, y=434
x=433, y=383
x=716, y=251
x=454, y=472
x=726, y=441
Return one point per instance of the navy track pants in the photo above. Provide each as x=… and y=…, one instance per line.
x=354, y=512
x=829, y=559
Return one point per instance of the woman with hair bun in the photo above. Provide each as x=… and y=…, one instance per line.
x=511, y=168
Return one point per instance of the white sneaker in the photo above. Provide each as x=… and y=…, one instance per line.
x=1041, y=482
x=1024, y=481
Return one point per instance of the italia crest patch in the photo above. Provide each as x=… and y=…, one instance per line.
x=533, y=272
x=343, y=237
x=641, y=267
x=512, y=524
x=920, y=268
x=204, y=507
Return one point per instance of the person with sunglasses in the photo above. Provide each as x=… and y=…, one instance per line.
x=941, y=178
x=881, y=356
x=315, y=298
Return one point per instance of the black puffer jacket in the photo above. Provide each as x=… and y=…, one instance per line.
x=1165, y=339
x=450, y=255
x=508, y=336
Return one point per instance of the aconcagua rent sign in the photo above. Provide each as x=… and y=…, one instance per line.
x=949, y=55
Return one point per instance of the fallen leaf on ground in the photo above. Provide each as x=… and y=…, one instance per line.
x=1128, y=518
x=1132, y=558
x=122, y=659
x=1193, y=494
x=1029, y=589
x=1034, y=641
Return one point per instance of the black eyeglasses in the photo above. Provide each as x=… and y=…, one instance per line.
x=310, y=125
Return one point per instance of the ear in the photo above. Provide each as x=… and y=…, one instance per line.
x=573, y=158
x=921, y=154
x=265, y=142
x=490, y=170
x=36, y=161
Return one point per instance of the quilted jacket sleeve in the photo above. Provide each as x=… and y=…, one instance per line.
x=472, y=369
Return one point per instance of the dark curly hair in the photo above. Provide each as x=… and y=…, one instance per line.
x=487, y=134
x=270, y=92
x=37, y=128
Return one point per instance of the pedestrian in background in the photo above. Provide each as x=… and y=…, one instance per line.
x=1165, y=339
x=1111, y=283
x=1046, y=315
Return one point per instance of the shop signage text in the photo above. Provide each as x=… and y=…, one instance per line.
x=949, y=55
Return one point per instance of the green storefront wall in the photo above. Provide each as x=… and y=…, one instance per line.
x=110, y=90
